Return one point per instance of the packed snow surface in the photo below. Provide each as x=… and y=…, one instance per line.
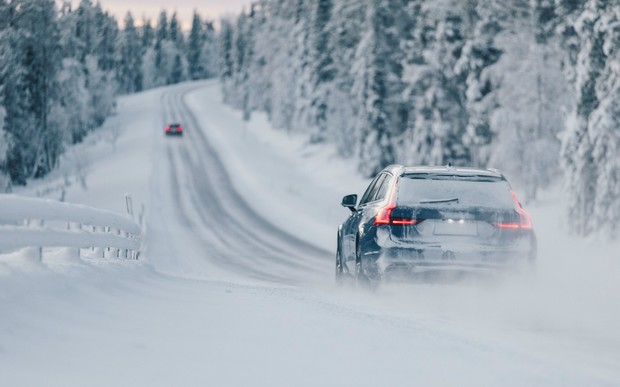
x=236, y=286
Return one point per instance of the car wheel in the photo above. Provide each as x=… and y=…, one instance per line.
x=339, y=268
x=361, y=279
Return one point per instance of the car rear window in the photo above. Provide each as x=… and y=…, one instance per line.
x=462, y=190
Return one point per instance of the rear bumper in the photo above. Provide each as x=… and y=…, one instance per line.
x=453, y=256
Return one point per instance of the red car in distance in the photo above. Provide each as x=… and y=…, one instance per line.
x=174, y=129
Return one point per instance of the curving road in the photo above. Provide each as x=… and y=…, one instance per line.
x=206, y=205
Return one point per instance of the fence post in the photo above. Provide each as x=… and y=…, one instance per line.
x=129, y=203
x=38, y=223
x=76, y=226
x=41, y=225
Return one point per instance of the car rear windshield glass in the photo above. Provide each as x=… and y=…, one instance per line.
x=466, y=190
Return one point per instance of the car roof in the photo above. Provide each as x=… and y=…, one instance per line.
x=444, y=170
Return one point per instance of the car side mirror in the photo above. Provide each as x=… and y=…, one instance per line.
x=349, y=202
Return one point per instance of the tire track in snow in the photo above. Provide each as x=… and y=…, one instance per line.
x=235, y=236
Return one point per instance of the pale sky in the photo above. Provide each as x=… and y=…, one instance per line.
x=212, y=9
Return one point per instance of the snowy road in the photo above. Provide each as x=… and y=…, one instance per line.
x=237, y=285
x=210, y=209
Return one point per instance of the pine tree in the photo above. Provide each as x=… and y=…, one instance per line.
x=225, y=52
x=174, y=50
x=176, y=75
x=107, y=36
x=194, y=49
x=208, y=52
x=147, y=35
x=174, y=32
x=5, y=60
x=160, y=74
x=73, y=108
x=288, y=102
x=436, y=80
x=240, y=49
x=4, y=148
x=577, y=147
x=479, y=54
x=263, y=52
x=85, y=30
x=591, y=143
x=129, y=69
x=345, y=31
x=373, y=70
x=35, y=148
x=321, y=67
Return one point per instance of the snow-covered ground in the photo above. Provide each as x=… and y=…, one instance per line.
x=236, y=284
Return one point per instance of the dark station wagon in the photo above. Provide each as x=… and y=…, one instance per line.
x=421, y=221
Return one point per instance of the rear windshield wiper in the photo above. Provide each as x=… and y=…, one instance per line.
x=456, y=200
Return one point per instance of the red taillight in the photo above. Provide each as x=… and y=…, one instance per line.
x=168, y=128
x=405, y=222
x=384, y=216
x=508, y=225
x=525, y=220
x=180, y=128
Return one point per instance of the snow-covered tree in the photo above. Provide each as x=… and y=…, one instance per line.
x=374, y=71
x=147, y=35
x=90, y=37
x=72, y=108
x=208, y=51
x=436, y=85
x=129, y=67
x=4, y=148
x=175, y=50
x=159, y=74
x=174, y=31
x=479, y=53
x=107, y=37
x=225, y=43
x=345, y=28
x=591, y=141
x=196, y=66
x=29, y=83
x=530, y=95
x=322, y=68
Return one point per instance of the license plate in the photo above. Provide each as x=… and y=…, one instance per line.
x=455, y=227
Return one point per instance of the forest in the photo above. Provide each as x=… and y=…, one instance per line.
x=62, y=68
x=526, y=86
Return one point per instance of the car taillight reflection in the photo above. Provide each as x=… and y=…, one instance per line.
x=385, y=216
x=525, y=219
